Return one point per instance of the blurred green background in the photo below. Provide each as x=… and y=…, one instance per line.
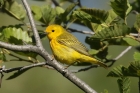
x=42, y=80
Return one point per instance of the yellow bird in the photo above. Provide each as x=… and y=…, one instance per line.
x=67, y=48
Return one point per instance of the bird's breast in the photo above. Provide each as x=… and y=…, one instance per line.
x=63, y=53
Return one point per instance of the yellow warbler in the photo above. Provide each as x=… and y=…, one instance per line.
x=67, y=48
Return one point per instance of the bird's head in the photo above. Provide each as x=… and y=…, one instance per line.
x=54, y=31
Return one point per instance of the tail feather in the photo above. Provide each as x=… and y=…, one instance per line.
x=102, y=64
x=96, y=61
x=92, y=60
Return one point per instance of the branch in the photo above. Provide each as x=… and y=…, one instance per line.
x=21, y=68
x=85, y=69
x=92, y=33
x=84, y=32
x=120, y=55
x=123, y=52
x=133, y=34
x=35, y=32
x=35, y=65
x=22, y=48
x=17, y=57
x=49, y=60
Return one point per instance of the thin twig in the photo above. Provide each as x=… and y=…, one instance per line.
x=135, y=12
x=92, y=33
x=19, y=58
x=21, y=68
x=122, y=53
x=84, y=69
x=133, y=34
x=37, y=38
x=13, y=55
x=35, y=65
x=84, y=32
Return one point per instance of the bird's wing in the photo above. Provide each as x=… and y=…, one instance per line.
x=71, y=41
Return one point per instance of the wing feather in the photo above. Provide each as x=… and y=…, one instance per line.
x=71, y=41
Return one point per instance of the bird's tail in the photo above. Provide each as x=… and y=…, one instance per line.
x=102, y=64
x=93, y=61
x=98, y=62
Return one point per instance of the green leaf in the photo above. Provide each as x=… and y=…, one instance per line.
x=105, y=91
x=69, y=9
x=131, y=41
x=124, y=84
x=136, y=5
x=94, y=44
x=137, y=23
x=96, y=13
x=15, y=35
x=48, y=14
x=59, y=10
x=27, y=54
x=121, y=8
x=63, y=17
x=116, y=31
x=136, y=56
x=95, y=19
x=1, y=3
x=16, y=74
x=82, y=16
x=45, y=14
x=2, y=56
x=117, y=72
x=15, y=9
x=93, y=51
x=37, y=12
x=134, y=69
x=111, y=17
x=95, y=27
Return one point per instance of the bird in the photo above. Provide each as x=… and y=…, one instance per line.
x=67, y=49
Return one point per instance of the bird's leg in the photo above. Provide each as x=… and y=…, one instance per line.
x=69, y=65
x=74, y=63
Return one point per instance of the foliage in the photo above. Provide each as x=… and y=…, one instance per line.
x=121, y=7
x=124, y=84
x=14, y=9
x=110, y=27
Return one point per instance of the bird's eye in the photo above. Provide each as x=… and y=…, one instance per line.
x=53, y=30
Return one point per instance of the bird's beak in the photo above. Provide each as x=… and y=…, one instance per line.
x=45, y=32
